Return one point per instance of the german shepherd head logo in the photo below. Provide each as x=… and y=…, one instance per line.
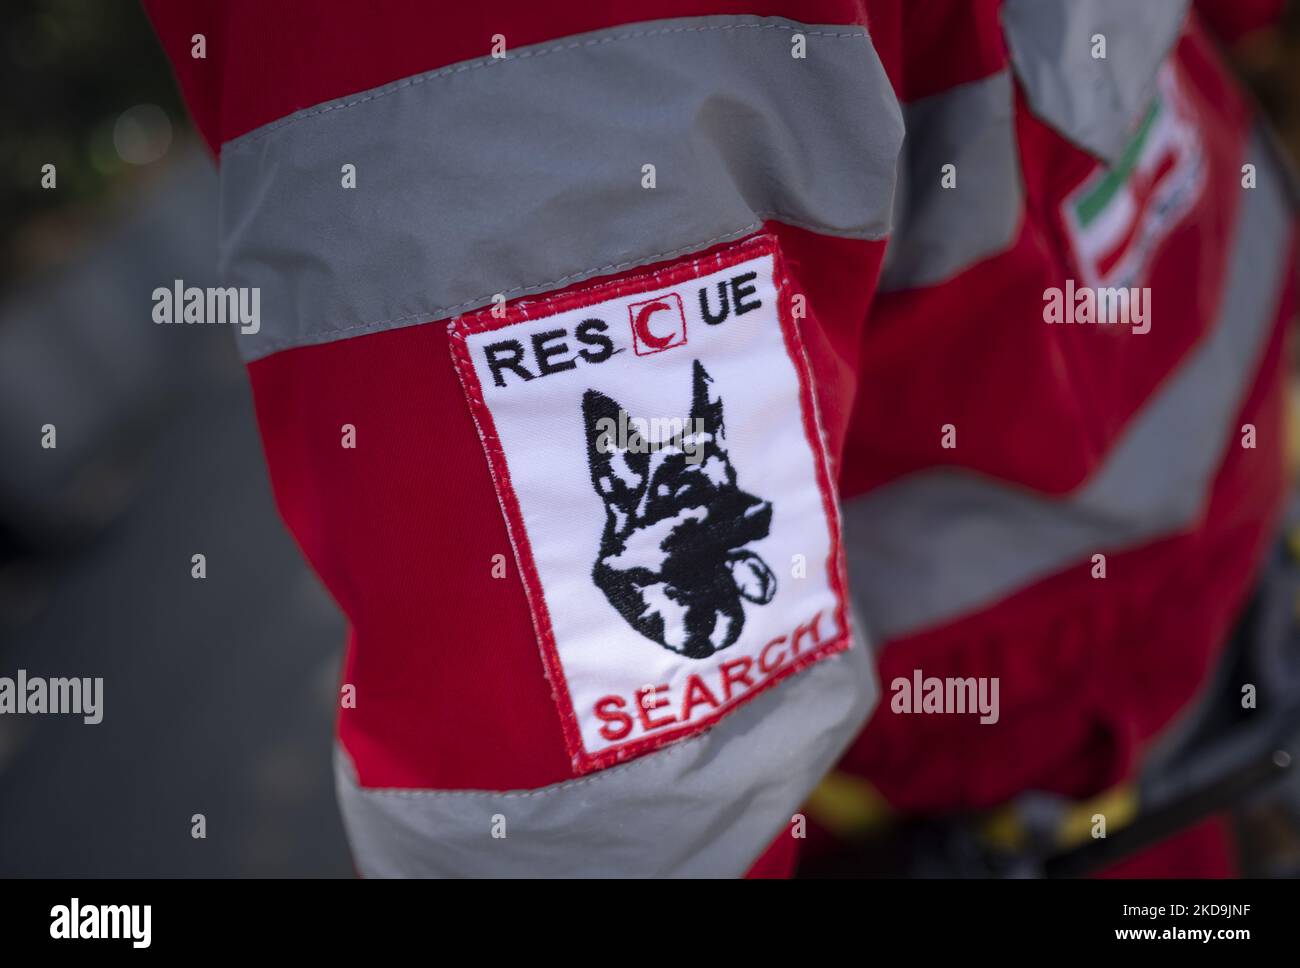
x=672, y=557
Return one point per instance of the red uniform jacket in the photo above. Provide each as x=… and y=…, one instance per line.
x=645, y=381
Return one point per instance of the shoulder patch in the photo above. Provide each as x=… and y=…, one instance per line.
x=1119, y=215
x=656, y=451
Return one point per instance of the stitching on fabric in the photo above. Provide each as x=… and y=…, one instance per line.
x=837, y=565
x=610, y=773
x=265, y=132
x=434, y=313
x=438, y=312
x=526, y=309
x=483, y=320
x=519, y=545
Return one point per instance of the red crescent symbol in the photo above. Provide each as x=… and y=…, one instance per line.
x=641, y=325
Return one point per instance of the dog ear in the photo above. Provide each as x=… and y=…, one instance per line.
x=617, y=473
x=706, y=407
x=706, y=419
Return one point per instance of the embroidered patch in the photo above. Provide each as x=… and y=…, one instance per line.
x=1118, y=215
x=656, y=451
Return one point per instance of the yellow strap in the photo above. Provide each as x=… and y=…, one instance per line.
x=848, y=806
x=1118, y=806
x=851, y=808
x=1292, y=428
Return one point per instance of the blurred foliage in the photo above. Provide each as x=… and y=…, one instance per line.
x=1269, y=63
x=69, y=70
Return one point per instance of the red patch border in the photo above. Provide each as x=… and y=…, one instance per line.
x=642, y=284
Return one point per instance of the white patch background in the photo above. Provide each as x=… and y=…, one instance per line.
x=543, y=436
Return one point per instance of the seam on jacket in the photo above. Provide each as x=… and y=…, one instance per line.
x=609, y=774
x=269, y=129
x=353, y=296
x=435, y=313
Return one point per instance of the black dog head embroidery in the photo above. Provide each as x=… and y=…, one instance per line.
x=672, y=557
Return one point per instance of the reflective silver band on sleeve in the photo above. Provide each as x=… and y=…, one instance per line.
x=704, y=807
x=524, y=174
x=934, y=545
x=1092, y=100
x=946, y=221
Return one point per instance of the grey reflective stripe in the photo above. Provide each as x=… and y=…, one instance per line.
x=934, y=545
x=706, y=806
x=1092, y=101
x=522, y=175
x=938, y=232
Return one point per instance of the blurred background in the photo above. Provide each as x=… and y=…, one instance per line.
x=219, y=694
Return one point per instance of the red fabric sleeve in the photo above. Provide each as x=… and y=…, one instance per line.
x=379, y=530
x=1231, y=20
x=267, y=60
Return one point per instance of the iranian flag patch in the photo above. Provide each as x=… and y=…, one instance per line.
x=1119, y=214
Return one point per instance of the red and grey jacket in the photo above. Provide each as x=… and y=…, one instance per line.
x=607, y=353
